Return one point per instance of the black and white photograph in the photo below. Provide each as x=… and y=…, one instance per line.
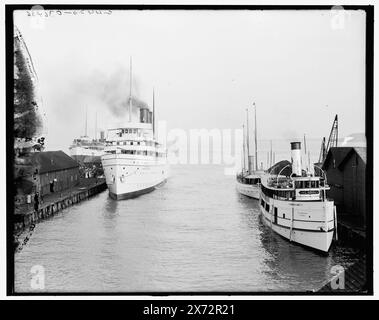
x=189, y=150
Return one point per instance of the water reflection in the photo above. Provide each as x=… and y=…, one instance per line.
x=196, y=233
x=110, y=206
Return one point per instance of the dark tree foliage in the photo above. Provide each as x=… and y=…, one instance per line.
x=26, y=120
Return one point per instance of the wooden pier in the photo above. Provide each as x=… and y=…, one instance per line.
x=351, y=230
x=27, y=216
x=351, y=280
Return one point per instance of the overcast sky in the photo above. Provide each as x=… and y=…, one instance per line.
x=206, y=68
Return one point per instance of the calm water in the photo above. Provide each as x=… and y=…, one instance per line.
x=193, y=234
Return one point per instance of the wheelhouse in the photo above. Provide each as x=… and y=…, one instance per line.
x=295, y=188
x=135, y=140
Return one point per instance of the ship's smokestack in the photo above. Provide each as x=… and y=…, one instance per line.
x=296, y=158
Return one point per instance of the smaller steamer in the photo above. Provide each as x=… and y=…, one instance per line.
x=297, y=207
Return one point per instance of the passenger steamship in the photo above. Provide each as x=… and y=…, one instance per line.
x=134, y=161
x=297, y=207
x=86, y=149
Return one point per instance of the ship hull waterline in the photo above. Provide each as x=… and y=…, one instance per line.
x=129, y=177
x=319, y=240
x=248, y=190
x=135, y=194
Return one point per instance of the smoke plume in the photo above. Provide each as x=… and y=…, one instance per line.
x=113, y=90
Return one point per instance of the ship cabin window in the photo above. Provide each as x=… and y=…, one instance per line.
x=306, y=184
x=278, y=194
x=267, y=207
x=262, y=203
x=134, y=130
x=300, y=184
x=128, y=151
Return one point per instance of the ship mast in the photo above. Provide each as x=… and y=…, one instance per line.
x=243, y=149
x=96, y=126
x=130, y=91
x=305, y=145
x=85, y=133
x=271, y=164
x=305, y=150
x=255, y=134
x=247, y=140
x=153, y=114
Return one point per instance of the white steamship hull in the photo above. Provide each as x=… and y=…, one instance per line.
x=248, y=190
x=127, y=177
x=311, y=224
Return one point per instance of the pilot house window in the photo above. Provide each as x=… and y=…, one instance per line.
x=314, y=184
